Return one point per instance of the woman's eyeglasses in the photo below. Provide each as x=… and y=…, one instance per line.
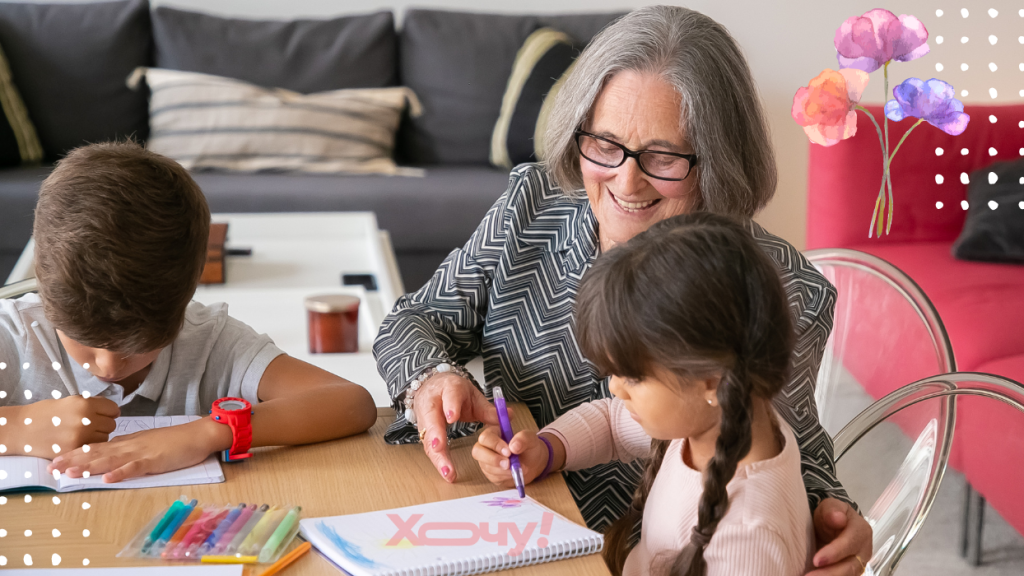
x=610, y=154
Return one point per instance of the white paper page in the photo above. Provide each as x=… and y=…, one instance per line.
x=219, y=570
x=376, y=542
x=13, y=470
x=206, y=472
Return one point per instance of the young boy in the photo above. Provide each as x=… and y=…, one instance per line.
x=120, y=238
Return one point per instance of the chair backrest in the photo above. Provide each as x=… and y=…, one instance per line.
x=885, y=333
x=893, y=455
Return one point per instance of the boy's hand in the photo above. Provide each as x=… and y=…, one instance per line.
x=81, y=421
x=492, y=454
x=148, y=452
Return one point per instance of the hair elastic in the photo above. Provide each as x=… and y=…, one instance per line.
x=551, y=458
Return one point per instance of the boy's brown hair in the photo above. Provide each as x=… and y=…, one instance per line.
x=120, y=237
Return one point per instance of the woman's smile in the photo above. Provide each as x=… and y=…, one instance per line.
x=634, y=207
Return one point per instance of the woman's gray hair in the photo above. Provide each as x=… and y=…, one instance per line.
x=721, y=113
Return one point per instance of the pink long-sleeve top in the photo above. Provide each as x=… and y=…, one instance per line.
x=767, y=529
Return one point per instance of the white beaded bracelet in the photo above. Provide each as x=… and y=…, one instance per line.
x=441, y=368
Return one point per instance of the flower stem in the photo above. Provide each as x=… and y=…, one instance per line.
x=888, y=176
x=916, y=124
x=880, y=200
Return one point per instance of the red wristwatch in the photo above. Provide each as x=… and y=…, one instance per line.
x=236, y=413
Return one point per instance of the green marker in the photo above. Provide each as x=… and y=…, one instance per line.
x=172, y=512
x=257, y=532
x=270, y=548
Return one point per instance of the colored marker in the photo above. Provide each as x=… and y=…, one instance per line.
x=287, y=559
x=205, y=529
x=231, y=532
x=246, y=530
x=171, y=513
x=179, y=551
x=173, y=526
x=272, y=519
x=506, y=435
x=185, y=527
x=223, y=527
x=274, y=542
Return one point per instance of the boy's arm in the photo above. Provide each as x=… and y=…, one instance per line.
x=299, y=404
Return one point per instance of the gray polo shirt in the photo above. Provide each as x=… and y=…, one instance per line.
x=213, y=356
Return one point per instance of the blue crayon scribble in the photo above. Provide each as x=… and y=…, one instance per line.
x=350, y=550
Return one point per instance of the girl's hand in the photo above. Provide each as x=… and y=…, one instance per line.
x=492, y=453
x=148, y=452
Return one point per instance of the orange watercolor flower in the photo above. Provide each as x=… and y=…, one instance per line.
x=825, y=107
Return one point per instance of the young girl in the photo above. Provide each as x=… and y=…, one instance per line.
x=690, y=321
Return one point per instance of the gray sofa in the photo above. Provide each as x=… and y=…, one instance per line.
x=70, y=61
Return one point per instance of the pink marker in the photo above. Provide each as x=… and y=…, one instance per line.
x=186, y=540
x=226, y=538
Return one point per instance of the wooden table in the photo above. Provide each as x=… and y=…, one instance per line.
x=348, y=476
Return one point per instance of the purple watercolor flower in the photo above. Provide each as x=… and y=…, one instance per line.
x=932, y=101
x=503, y=502
x=867, y=42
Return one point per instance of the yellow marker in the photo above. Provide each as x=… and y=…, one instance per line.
x=208, y=559
x=258, y=530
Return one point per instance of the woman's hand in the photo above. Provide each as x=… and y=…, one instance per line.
x=148, y=452
x=492, y=453
x=844, y=539
x=444, y=399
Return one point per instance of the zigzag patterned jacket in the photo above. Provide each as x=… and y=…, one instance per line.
x=508, y=295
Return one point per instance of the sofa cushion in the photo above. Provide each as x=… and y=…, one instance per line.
x=539, y=66
x=19, y=190
x=979, y=302
x=458, y=64
x=843, y=180
x=300, y=55
x=70, y=62
x=994, y=230
x=212, y=122
x=437, y=212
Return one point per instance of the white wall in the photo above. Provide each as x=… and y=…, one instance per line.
x=787, y=44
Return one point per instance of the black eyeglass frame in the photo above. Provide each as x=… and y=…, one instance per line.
x=627, y=154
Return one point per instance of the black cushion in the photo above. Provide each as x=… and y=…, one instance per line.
x=458, y=64
x=540, y=63
x=19, y=143
x=70, y=62
x=994, y=230
x=300, y=55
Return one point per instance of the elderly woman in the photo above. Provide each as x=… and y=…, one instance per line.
x=658, y=117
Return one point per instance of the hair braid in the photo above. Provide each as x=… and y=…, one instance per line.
x=619, y=535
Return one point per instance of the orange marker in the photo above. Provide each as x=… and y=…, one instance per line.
x=185, y=527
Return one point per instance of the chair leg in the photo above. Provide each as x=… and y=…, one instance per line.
x=973, y=524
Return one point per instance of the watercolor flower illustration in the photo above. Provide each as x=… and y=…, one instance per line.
x=502, y=502
x=932, y=101
x=825, y=107
x=870, y=41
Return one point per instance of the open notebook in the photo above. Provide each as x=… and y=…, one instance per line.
x=29, y=472
x=454, y=537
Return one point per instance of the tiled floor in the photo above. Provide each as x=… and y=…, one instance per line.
x=935, y=549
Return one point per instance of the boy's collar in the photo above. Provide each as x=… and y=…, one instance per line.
x=152, y=387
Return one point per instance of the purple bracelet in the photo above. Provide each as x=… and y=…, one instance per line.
x=551, y=458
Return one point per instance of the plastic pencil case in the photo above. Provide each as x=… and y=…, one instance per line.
x=188, y=531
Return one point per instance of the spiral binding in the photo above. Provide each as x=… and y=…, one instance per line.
x=491, y=563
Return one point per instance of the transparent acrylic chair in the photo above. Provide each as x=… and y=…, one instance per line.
x=903, y=442
x=886, y=331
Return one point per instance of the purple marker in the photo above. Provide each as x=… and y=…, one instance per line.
x=506, y=435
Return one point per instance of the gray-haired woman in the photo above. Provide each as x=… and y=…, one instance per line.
x=658, y=117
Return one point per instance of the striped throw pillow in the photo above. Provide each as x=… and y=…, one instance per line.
x=19, y=143
x=211, y=122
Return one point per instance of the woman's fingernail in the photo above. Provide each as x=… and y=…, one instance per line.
x=449, y=414
x=445, y=470
x=433, y=443
x=504, y=464
x=505, y=452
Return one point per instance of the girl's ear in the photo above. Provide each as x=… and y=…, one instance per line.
x=709, y=388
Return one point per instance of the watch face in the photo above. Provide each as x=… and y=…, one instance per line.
x=231, y=405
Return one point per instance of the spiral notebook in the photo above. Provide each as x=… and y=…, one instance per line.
x=454, y=537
